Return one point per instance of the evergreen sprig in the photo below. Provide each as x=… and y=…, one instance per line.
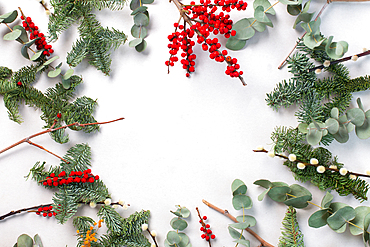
x=291, y=234
x=95, y=41
x=56, y=103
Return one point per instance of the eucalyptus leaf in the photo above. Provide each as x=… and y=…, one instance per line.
x=240, y=226
x=235, y=44
x=68, y=74
x=184, y=240
x=357, y=225
x=278, y=194
x=178, y=224
x=24, y=241
x=141, y=19
x=326, y=200
x=313, y=40
x=276, y=184
x=24, y=37
x=258, y=26
x=342, y=135
x=167, y=244
x=184, y=212
x=294, y=10
x=318, y=219
x=38, y=242
x=244, y=242
x=266, y=6
x=306, y=7
x=36, y=55
x=244, y=29
x=138, y=31
x=66, y=83
x=312, y=27
x=24, y=52
x=341, y=217
x=238, y=187
x=363, y=132
x=263, y=183
x=332, y=125
x=234, y=233
x=242, y=201
x=147, y=1
x=314, y=135
x=141, y=47
x=15, y=34
x=141, y=9
x=247, y=219
x=134, y=4
x=366, y=235
x=135, y=42
x=334, y=113
x=306, y=17
x=356, y=116
x=336, y=50
x=54, y=73
x=261, y=16
x=298, y=202
x=359, y=103
x=9, y=17
x=173, y=237
x=291, y=2
x=262, y=195
x=49, y=61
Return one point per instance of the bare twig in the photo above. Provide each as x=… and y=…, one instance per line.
x=51, y=129
x=226, y=213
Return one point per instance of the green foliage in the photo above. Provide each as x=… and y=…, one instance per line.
x=291, y=234
x=26, y=241
x=56, y=100
x=95, y=41
x=141, y=21
x=176, y=238
x=292, y=141
x=241, y=201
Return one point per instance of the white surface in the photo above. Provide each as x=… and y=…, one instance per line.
x=182, y=140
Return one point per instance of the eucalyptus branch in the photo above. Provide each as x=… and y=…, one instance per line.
x=226, y=213
x=52, y=129
x=33, y=209
x=295, y=46
x=315, y=165
x=354, y=58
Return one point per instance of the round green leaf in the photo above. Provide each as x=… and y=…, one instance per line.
x=336, y=50
x=266, y=5
x=242, y=201
x=262, y=195
x=243, y=29
x=235, y=44
x=238, y=187
x=167, y=244
x=294, y=10
x=326, y=200
x=24, y=241
x=37, y=55
x=141, y=47
x=51, y=60
x=366, y=235
x=24, y=37
x=278, y=194
x=303, y=128
x=361, y=213
x=68, y=74
x=147, y=1
x=341, y=217
x=134, y=4
x=291, y=2
x=66, y=83
x=141, y=19
x=141, y=9
x=318, y=219
x=363, y=131
x=38, y=242
x=240, y=225
x=332, y=125
x=298, y=202
x=54, y=73
x=244, y=242
x=314, y=135
x=276, y=184
x=173, y=237
x=24, y=52
x=234, y=233
x=342, y=135
x=13, y=35
x=258, y=26
x=178, y=224
x=263, y=183
x=334, y=113
x=185, y=213
x=135, y=42
x=356, y=116
x=307, y=17
x=261, y=16
x=184, y=240
x=313, y=40
x=138, y=31
x=9, y=17
x=247, y=219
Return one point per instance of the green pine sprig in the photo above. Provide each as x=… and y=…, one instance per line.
x=291, y=235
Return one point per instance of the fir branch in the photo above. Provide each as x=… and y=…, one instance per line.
x=77, y=158
x=112, y=219
x=65, y=204
x=291, y=234
x=226, y=213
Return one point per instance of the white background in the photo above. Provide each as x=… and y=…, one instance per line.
x=182, y=140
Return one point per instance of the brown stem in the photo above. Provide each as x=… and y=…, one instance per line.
x=226, y=213
x=41, y=147
x=315, y=165
x=51, y=129
x=341, y=60
x=295, y=46
x=153, y=237
x=32, y=209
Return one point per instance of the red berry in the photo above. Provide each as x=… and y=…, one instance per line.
x=207, y=237
x=96, y=177
x=22, y=17
x=50, y=214
x=28, y=19
x=39, y=209
x=91, y=180
x=52, y=175
x=55, y=184
x=19, y=83
x=44, y=214
x=203, y=236
x=208, y=226
x=213, y=236
x=59, y=115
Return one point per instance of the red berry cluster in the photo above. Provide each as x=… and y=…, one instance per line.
x=207, y=232
x=73, y=177
x=207, y=22
x=41, y=43
x=46, y=211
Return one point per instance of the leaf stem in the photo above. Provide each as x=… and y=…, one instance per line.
x=226, y=213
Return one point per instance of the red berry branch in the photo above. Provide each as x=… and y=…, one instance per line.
x=51, y=129
x=207, y=232
x=204, y=20
x=54, y=180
